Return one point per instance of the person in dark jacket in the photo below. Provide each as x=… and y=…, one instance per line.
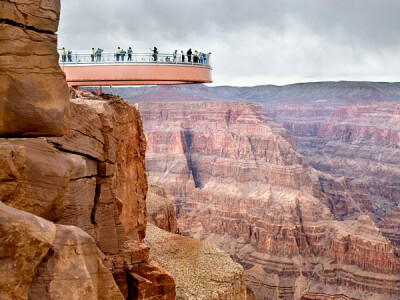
x=130, y=54
x=123, y=52
x=69, y=55
x=155, y=53
x=98, y=54
x=189, y=54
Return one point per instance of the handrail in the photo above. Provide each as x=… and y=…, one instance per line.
x=75, y=58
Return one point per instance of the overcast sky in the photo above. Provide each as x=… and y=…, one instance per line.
x=252, y=42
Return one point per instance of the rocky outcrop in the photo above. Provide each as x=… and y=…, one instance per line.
x=94, y=178
x=160, y=211
x=41, y=260
x=201, y=270
x=111, y=204
x=255, y=197
x=34, y=97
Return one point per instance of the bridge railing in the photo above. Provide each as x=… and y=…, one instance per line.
x=134, y=58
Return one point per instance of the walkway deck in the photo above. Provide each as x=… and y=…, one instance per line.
x=109, y=70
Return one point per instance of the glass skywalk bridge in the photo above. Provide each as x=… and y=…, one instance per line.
x=110, y=69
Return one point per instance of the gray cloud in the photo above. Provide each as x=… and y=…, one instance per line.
x=253, y=42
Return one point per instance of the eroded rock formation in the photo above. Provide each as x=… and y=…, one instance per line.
x=72, y=177
x=252, y=194
x=93, y=179
x=200, y=269
x=160, y=211
x=34, y=96
x=42, y=260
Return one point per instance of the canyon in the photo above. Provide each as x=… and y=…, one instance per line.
x=237, y=181
x=73, y=183
x=292, y=196
x=347, y=130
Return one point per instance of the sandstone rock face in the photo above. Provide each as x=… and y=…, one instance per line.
x=50, y=261
x=160, y=211
x=111, y=204
x=42, y=15
x=34, y=97
x=200, y=269
x=148, y=280
x=35, y=176
x=91, y=175
x=358, y=143
x=130, y=180
x=255, y=197
x=94, y=178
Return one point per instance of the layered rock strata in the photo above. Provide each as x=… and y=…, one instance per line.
x=94, y=178
x=116, y=215
x=34, y=97
x=358, y=143
x=253, y=196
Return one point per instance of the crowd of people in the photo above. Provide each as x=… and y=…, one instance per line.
x=119, y=54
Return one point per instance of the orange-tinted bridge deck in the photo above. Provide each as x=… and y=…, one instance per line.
x=114, y=73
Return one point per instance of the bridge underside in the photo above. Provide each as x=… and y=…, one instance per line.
x=134, y=74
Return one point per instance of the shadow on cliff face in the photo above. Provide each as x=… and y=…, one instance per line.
x=187, y=145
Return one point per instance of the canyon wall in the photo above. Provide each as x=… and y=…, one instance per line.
x=347, y=130
x=358, y=143
x=72, y=177
x=95, y=180
x=237, y=181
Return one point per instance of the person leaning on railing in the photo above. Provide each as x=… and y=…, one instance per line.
x=118, y=53
x=123, y=52
x=155, y=53
x=174, y=56
x=189, y=54
x=98, y=54
x=130, y=54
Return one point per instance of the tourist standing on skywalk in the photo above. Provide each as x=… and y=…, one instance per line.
x=130, y=54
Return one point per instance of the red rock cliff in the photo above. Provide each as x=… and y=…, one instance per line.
x=72, y=178
x=251, y=194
